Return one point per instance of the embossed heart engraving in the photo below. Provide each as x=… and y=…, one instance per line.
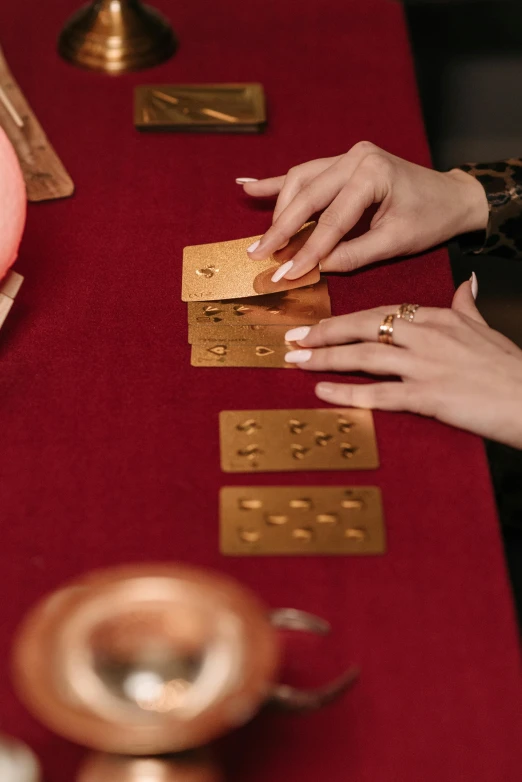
x=262, y=351
x=218, y=350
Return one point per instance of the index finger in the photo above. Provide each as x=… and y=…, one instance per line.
x=312, y=198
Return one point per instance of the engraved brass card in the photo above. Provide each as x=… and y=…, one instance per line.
x=301, y=520
x=223, y=270
x=271, y=335
x=240, y=354
x=44, y=174
x=9, y=287
x=211, y=108
x=299, y=307
x=297, y=440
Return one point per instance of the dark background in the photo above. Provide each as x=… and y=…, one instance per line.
x=468, y=56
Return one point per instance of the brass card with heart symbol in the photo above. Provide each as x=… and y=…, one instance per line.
x=297, y=440
x=301, y=520
x=223, y=270
x=221, y=353
x=299, y=307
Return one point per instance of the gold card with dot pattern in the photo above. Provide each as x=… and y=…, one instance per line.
x=300, y=307
x=301, y=520
x=297, y=440
x=223, y=270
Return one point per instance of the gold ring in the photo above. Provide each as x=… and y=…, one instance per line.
x=386, y=330
x=407, y=312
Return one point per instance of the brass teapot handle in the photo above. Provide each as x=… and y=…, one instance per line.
x=292, y=698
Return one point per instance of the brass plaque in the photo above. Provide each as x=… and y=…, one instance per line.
x=223, y=270
x=44, y=174
x=210, y=108
x=9, y=287
x=299, y=307
x=240, y=354
x=301, y=520
x=297, y=440
x=204, y=332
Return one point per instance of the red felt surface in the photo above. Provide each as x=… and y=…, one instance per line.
x=109, y=439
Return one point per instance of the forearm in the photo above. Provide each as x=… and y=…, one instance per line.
x=502, y=183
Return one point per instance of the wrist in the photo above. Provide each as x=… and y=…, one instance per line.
x=472, y=201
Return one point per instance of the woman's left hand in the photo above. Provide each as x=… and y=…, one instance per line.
x=454, y=367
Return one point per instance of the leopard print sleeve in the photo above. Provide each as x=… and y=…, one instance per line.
x=503, y=185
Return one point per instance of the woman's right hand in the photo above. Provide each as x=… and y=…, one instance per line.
x=418, y=208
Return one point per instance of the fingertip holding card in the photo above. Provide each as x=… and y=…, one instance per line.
x=223, y=270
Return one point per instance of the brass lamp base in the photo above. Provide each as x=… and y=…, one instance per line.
x=115, y=36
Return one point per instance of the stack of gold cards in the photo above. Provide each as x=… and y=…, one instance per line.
x=237, y=316
x=208, y=108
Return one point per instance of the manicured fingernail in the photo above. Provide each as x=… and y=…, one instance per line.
x=298, y=356
x=253, y=247
x=326, y=389
x=294, y=335
x=244, y=180
x=280, y=273
x=323, y=320
x=474, y=285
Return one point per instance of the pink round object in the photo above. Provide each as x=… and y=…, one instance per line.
x=13, y=202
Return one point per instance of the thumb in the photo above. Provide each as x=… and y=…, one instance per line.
x=464, y=299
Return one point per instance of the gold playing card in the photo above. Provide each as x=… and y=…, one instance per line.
x=302, y=520
x=300, y=307
x=223, y=270
x=240, y=354
x=268, y=335
x=297, y=440
x=9, y=287
x=228, y=108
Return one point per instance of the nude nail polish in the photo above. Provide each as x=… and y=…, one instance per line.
x=253, y=247
x=474, y=285
x=326, y=389
x=294, y=335
x=298, y=356
x=280, y=273
x=245, y=180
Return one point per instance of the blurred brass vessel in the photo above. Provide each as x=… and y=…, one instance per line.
x=151, y=659
x=116, y=36
x=192, y=767
x=147, y=659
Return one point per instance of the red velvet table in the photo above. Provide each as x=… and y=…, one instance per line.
x=109, y=438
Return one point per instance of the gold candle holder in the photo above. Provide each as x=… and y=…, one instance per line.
x=116, y=36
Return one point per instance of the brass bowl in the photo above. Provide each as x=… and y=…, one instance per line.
x=116, y=36
x=118, y=768
x=147, y=659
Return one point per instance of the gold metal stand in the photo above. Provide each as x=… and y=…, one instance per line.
x=117, y=36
